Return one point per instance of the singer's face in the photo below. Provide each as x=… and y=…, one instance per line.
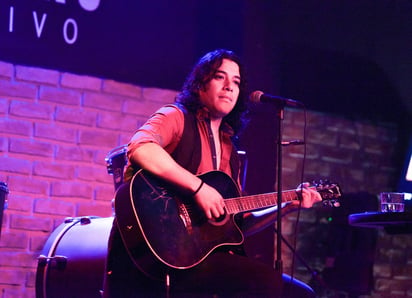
x=221, y=93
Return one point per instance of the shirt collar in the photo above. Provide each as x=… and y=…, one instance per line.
x=203, y=114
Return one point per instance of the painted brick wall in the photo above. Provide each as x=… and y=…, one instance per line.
x=361, y=157
x=56, y=129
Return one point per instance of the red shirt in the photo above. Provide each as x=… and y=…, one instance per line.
x=165, y=127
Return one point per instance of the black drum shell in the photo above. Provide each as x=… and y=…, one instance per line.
x=72, y=262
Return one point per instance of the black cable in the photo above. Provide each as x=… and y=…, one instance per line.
x=300, y=201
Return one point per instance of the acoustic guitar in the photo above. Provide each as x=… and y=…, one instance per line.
x=159, y=223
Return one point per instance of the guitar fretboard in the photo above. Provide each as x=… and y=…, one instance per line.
x=253, y=202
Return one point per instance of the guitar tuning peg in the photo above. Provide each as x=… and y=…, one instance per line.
x=331, y=203
x=327, y=203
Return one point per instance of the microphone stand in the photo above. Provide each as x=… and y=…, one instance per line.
x=278, y=261
x=314, y=273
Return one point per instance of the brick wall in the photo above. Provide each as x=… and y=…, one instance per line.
x=361, y=157
x=56, y=129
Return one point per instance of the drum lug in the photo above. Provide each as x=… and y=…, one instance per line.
x=68, y=220
x=85, y=220
x=58, y=262
x=42, y=261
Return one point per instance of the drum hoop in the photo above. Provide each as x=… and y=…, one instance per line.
x=115, y=152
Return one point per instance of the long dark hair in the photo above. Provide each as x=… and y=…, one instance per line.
x=201, y=75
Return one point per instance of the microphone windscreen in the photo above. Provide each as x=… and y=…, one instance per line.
x=255, y=96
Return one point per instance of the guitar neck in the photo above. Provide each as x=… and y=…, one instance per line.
x=254, y=202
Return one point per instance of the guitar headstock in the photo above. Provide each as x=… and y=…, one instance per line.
x=330, y=192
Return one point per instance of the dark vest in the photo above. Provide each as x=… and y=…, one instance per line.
x=188, y=154
x=188, y=151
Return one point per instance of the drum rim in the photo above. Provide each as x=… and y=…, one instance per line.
x=115, y=152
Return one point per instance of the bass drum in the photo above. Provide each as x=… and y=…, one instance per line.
x=72, y=262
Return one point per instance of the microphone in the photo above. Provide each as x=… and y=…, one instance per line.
x=258, y=96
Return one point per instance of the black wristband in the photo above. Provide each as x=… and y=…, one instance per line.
x=197, y=190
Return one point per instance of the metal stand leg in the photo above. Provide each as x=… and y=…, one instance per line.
x=167, y=283
x=314, y=273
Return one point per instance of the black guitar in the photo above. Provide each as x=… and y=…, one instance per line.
x=156, y=218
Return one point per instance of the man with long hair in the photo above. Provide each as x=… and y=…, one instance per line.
x=178, y=144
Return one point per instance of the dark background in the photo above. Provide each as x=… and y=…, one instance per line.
x=345, y=57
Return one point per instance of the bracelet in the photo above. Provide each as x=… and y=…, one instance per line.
x=197, y=190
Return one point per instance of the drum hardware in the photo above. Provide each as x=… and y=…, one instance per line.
x=58, y=262
x=116, y=159
x=3, y=200
x=84, y=220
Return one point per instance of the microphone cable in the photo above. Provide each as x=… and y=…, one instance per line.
x=301, y=196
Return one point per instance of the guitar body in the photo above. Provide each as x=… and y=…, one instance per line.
x=158, y=223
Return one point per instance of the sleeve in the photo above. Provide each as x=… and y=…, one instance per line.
x=164, y=127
